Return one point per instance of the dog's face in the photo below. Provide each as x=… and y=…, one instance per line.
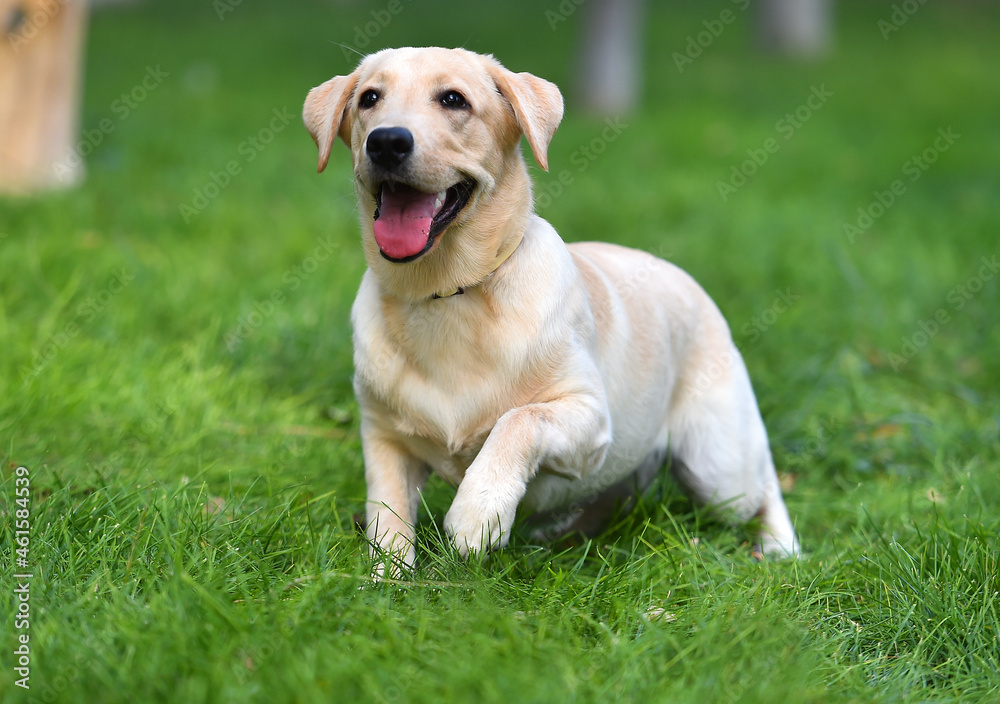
x=433, y=134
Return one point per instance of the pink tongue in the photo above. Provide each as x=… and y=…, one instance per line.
x=404, y=221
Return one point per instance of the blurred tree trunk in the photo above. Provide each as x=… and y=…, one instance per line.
x=795, y=27
x=609, y=78
x=41, y=44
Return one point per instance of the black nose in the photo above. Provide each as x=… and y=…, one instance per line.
x=389, y=146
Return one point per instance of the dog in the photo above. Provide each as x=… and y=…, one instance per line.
x=525, y=371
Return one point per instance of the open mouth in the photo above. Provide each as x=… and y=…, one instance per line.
x=407, y=221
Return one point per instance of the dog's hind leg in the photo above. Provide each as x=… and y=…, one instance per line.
x=722, y=456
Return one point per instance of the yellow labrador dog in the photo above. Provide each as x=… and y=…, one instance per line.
x=524, y=371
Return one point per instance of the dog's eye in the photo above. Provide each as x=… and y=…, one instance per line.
x=453, y=99
x=368, y=99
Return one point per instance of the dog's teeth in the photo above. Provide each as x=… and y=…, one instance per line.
x=439, y=201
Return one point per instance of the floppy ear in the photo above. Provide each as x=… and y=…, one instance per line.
x=538, y=108
x=324, y=114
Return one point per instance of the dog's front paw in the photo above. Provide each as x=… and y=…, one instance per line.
x=476, y=528
x=390, y=545
x=392, y=563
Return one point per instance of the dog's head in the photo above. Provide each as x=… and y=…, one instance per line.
x=434, y=137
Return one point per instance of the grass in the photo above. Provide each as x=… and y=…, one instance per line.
x=193, y=446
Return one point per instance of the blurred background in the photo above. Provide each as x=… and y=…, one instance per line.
x=826, y=168
x=176, y=283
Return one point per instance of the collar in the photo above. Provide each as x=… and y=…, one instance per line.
x=502, y=256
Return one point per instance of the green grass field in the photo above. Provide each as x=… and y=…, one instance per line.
x=176, y=380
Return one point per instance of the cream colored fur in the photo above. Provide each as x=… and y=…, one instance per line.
x=552, y=377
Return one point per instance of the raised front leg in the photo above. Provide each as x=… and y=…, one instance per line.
x=394, y=479
x=570, y=435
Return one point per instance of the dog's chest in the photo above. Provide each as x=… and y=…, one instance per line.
x=445, y=374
